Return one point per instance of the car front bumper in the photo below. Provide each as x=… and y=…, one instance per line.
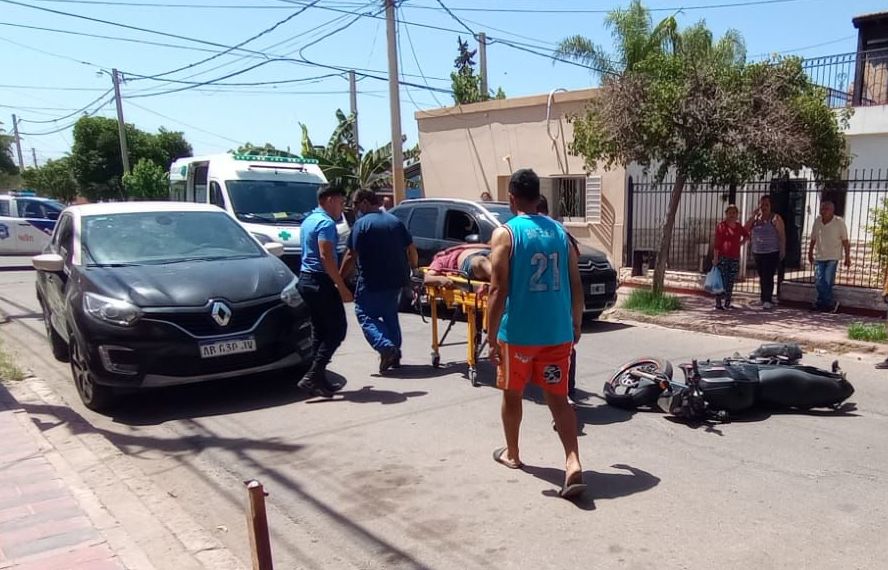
x=159, y=352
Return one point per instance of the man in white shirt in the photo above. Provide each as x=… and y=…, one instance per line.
x=829, y=239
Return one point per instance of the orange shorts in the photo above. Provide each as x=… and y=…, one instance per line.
x=547, y=366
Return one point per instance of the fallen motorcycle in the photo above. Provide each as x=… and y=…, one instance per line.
x=769, y=377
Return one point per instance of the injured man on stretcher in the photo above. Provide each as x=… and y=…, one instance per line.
x=469, y=260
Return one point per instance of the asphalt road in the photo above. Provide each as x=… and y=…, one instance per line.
x=396, y=472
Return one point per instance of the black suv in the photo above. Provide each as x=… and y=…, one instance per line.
x=439, y=223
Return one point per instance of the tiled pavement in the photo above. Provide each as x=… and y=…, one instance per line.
x=42, y=527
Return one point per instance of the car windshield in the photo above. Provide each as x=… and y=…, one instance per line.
x=272, y=201
x=501, y=212
x=155, y=238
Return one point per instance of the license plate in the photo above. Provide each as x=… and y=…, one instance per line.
x=596, y=289
x=226, y=347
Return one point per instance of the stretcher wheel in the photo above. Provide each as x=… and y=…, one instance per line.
x=473, y=377
x=436, y=360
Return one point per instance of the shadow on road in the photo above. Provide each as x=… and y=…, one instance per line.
x=600, y=485
x=595, y=327
x=846, y=410
x=132, y=444
x=152, y=407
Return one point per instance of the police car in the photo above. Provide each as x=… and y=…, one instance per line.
x=26, y=222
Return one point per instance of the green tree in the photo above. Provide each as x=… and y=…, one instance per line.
x=344, y=165
x=7, y=162
x=95, y=155
x=54, y=179
x=146, y=181
x=693, y=108
x=465, y=82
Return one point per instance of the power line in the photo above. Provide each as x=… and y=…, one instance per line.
x=418, y=67
x=161, y=115
x=84, y=108
x=238, y=84
x=452, y=15
x=609, y=10
x=44, y=52
x=115, y=38
x=50, y=88
x=241, y=44
x=68, y=126
x=117, y=4
x=126, y=26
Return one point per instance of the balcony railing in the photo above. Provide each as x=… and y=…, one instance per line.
x=856, y=79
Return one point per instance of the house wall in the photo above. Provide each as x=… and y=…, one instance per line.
x=470, y=149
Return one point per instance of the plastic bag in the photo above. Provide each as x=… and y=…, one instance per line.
x=714, y=283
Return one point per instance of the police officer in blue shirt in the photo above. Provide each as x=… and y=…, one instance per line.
x=384, y=252
x=322, y=287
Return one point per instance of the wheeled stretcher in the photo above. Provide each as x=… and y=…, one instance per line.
x=467, y=297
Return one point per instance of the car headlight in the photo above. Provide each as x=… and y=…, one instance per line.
x=263, y=239
x=290, y=295
x=110, y=310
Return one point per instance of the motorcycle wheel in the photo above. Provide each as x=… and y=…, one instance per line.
x=627, y=392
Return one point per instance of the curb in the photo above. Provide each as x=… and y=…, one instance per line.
x=718, y=328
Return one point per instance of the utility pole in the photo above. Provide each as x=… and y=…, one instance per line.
x=121, y=126
x=18, y=141
x=34, y=156
x=398, y=181
x=353, y=99
x=482, y=57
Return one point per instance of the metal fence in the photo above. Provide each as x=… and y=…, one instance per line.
x=852, y=79
x=859, y=200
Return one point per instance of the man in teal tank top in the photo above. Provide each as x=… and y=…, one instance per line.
x=535, y=313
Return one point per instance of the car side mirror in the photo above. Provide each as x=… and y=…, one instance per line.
x=274, y=248
x=473, y=238
x=50, y=262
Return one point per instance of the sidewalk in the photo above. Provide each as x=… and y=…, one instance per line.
x=42, y=525
x=812, y=330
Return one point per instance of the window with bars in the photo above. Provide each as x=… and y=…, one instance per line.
x=578, y=198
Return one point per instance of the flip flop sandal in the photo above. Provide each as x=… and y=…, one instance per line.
x=572, y=491
x=498, y=457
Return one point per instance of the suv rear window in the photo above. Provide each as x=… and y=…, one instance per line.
x=424, y=223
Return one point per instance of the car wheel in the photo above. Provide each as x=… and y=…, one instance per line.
x=94, y=396
x=59, y=347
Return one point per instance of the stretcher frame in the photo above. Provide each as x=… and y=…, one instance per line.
x=468, y=297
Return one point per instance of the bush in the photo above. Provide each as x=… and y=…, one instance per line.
x=647, y=302
x=871, y=332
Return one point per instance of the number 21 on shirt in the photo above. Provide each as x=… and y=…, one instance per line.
x=547, y=276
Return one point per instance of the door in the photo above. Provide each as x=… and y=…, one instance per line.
x=216, y=197
x=424, y=227
x=788, y=197
x=8, y=229
x=54, y=284
x=37, y=220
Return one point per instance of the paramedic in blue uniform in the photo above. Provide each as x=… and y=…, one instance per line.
x=322, y=288
x=535, y=313
x=383, y=250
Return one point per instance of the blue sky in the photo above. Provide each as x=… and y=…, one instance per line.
x=48, y=75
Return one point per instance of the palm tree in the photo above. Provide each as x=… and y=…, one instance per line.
x=345, y=165
x=635, y=38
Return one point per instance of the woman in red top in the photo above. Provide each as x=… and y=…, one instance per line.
x=729, y=236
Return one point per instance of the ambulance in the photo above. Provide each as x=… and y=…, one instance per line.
x=26, y=222
x=269, y=195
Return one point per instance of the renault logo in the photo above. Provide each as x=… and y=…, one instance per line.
x=221, y=313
